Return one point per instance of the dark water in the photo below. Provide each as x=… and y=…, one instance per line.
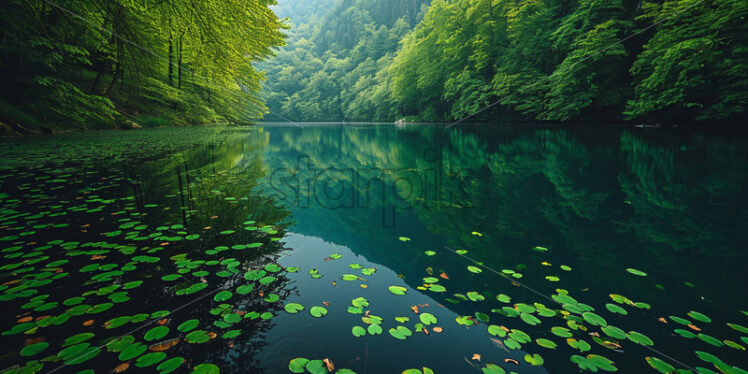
x=86, y=218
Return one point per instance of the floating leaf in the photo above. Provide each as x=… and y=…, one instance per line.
x=198, y=336
x=594, y=319
x=659, y=365
x=427, y=318
x=156, y=333
x=474, y=269
x=397, y=290
x=318, y=311
x=298, y=365
x=636, y=272
x=699, y=317
x=33, y=349
x=188, y=325
x=150, y=359
x=206, y=369
x=545, y=343
x=534, y=359
x=358, y=331
x=223, y=296
x=170, y=365
x=639, y=338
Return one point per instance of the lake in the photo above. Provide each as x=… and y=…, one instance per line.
x=377, y=248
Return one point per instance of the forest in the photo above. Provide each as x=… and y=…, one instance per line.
x=672, y=61
x=118, y=63
x=144, y=63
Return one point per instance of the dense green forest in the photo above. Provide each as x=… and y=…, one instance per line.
x=111, y=63
x=118, y=64
x=549, y=60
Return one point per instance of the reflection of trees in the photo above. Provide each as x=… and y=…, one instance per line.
x=216, y=186
x=600, y=198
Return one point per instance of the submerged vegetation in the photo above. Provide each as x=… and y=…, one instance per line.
x=106, y=64
x=554, y=60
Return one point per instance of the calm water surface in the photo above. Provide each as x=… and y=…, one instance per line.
x=523, y=249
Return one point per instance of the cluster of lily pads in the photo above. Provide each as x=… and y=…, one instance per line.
x=76, y=253
x=578, y=325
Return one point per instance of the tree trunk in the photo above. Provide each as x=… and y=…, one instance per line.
x=179, y=63
x=171, y=68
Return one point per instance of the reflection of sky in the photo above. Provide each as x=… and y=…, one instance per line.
x=301, y=335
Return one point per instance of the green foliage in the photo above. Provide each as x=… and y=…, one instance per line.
x=187, y=62
x=549, y=60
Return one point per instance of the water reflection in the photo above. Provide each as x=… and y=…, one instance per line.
x=603, y=200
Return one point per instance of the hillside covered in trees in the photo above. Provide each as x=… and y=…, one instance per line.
x=548, y=60
x=106, y=63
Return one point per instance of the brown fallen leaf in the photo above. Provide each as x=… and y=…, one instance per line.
x=329, y=364
x=32, y=341
x=163, y=321
x=694, y=327
x=476, y=357
x=262, y=294
x=595, y=334
x=86, y=225
x=160, y=347
x=505, y=328
x=207, y=228
x=425, y=331
x=213, y=217
x=98, y=257
x=508, y=360
x=326, y=303
x=414, y=308
x=25, y=319
x=663, y=320
x=430, y=270
x=164, y=244
x=231, y=344
x=212, y=335
x=42, y=317
x=437, y=329
x=443, y=276
x=88, y=323
x=121, y=367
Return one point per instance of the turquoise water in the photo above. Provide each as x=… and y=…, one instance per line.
x=588, y=247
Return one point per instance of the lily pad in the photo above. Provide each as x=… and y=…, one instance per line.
x=318, y=311
x=33, y=349
x=398, y=290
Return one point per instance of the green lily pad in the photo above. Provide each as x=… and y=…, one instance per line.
x=293, y=308
x=639, y=338
x=298, y=365
x=358, y=331
x=33, y=349
x=545, y=343
x=474, y=269
x=206, y=368
x=659, y=365
x=636, y=272
x=197, y=336
x=156, y=333
x=170, y=365
x=534, y=359
x=398, y=290
x=188, y=325
x=150, y=359
x=699, y=317
x=316, y=367
x=318, y=311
